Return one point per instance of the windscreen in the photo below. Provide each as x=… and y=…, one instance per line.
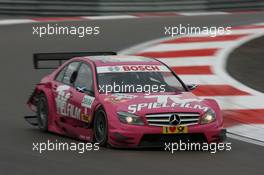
x=137, y=79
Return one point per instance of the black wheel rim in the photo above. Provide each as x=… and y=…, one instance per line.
x=100, y=128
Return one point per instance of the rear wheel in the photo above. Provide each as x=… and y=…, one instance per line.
x=100, y=127
x=42, y=112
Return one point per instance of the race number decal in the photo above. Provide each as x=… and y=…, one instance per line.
x=87, y=101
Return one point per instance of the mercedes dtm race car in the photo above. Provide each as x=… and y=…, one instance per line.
x=122, y=101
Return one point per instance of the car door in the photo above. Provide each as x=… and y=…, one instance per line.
x=63, y=90
x=83, y=95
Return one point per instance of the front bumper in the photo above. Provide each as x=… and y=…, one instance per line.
x=152, y=136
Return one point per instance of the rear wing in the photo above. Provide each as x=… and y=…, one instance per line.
x=54, y=60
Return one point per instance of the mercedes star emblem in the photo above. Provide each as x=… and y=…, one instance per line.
x=175, y=119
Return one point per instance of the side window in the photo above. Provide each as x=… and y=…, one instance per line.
x=72, y=67
x=84, y=79
x=61, y=74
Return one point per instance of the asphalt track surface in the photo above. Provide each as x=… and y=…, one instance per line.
x=246, y=62
x=18, y=78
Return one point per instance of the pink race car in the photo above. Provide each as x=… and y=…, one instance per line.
x=121, y=101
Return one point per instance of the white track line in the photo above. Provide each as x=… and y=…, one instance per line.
x=202, y=79
x=187, y=46
x=247, y=31
x=189, y=61
x=203, y=13
x=15, y=21
x=245, y=139
x=239, y=102
x=256, y=130
x=109, y=17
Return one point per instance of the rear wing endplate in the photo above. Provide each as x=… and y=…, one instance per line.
x=54, y=60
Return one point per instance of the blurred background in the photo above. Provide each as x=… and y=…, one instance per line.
x=114, y=7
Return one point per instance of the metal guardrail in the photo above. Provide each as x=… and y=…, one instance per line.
x=114, y=7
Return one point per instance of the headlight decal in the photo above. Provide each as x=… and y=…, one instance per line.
x=128, y=118
x=208, y=117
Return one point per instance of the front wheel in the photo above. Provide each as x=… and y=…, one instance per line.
x=101, y=128
x=42, y=112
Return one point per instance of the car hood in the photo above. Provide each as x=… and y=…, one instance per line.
x=155, y=103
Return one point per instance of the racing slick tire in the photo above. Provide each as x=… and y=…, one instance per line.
x=42, y=112
x=100, y=128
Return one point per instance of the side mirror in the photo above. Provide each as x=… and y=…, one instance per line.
x=73, y=77
x=191, y=87
x=81, y=89
x=85, y=90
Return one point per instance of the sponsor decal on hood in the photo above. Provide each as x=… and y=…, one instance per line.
x=119, y=98
x=167, y=101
